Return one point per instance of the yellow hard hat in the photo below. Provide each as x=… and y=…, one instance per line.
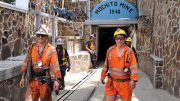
x=129, y=39
x=119, y=31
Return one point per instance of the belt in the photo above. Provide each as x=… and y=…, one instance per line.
x=119, y=80
x=40, y=77
x=38, y=74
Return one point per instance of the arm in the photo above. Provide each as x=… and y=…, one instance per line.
x=68, y=60
x=54, y=64
x=105, y=67
x=135, y=53
x=87, y=47
x=133, y=69
x=24, y=69
x=22, y=81
x=54, y=68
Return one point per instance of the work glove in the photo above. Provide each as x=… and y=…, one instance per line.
x=68, y=68
x=102, y=80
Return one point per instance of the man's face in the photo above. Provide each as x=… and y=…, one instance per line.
x=41, y=38
x=128, y=43
x=120, y=40
x=91, y=38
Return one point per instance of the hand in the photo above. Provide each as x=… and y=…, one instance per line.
x=22, y=82
x=56, y=85
x=102, y=81
x=91, y=51
x=132, y=84
x=68, y=68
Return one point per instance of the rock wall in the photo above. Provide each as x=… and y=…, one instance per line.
x=11, y=33
x=159, y=35
x=17, y=28
x=10, y=75
x=70, y=29
x=8, y=87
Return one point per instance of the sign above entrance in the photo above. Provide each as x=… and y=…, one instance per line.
x=114, y=9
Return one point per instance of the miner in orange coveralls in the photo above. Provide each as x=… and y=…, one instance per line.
x=121, y=68
x=44, y=66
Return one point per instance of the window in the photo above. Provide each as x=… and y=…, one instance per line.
x=9, y=1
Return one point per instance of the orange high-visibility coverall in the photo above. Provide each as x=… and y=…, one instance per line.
x=114, y=65
x=49, y=60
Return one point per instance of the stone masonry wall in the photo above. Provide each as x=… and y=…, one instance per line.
x=8, y=87
x=70, y=29
x=12, y=30
x=159, y=35
x=17, y=32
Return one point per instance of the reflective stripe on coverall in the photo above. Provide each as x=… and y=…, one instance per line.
x=114, y=65
x=49, y=61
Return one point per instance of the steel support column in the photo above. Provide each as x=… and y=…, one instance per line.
x=53, y=30
x=38, y=21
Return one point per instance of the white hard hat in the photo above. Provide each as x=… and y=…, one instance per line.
x=43, y=30
x=59, y=41
x=91, y=35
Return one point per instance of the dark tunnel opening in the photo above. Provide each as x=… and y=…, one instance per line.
x=106, y=40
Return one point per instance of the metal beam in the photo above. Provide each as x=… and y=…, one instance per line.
x=53, y=31
x=111, y=22
x=48, y=15
x=38, y=21
x=88, y=9
x=53, y=17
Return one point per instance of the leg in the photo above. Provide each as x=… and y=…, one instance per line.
x=63, y=73
x=94, y=60
x=34, y=85
x=94, y=64
x=45, y=92
x=125, y=91
x=110, y=92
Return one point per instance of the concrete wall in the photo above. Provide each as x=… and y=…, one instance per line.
x=159, y=35
x=10, y=74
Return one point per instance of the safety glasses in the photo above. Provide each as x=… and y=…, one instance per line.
x=119, y=38
x=41, y=35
